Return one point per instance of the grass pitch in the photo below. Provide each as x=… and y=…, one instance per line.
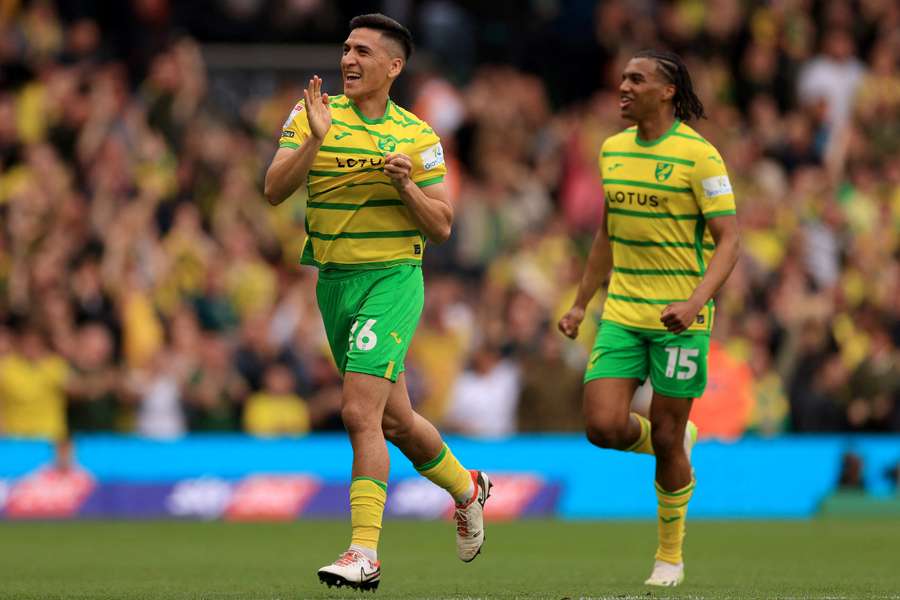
x=528, y=560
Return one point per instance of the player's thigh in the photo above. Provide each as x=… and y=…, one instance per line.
x=618, y=364
x=678, y=364
x=384, y=324
x=337, y=301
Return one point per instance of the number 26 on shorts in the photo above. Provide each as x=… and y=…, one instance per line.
x=366, y=338
x=682, y=363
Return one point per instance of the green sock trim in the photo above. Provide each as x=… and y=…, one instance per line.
x=377, y=482
x=434, y=461
x=685, y=490
x=667, y=505
x=645, y=431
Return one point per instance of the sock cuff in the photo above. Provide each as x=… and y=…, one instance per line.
x=677, y=498
x=362, y=481
x=645, y=432
x=434, y=461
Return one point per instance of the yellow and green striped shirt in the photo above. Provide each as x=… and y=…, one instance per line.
x=354, y=216
x=659, y=196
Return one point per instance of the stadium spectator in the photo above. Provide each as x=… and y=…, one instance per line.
x=94, y=387
x=484, y=399
x=32, y=388
x=276, y=409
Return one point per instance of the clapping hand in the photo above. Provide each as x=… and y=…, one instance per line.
x=318, y=111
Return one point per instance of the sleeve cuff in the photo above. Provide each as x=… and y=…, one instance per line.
x=719, y=213
x=431, y=181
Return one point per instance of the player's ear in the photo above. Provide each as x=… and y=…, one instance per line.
x=668, y=92
x=396, y=67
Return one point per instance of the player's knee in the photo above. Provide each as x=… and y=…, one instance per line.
x=666, y=438
x=605, y=433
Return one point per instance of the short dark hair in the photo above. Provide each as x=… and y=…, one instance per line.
x=387, y=26
x=687, y=104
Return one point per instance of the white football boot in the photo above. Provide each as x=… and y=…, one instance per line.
x=470, y=518
x=353, y=570
x=690, y=438
x=666, y=574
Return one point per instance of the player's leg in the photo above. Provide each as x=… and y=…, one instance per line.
x=351, y=305
x=617, y=366
x=678, y=374
x=421, y=443
x=363, y=400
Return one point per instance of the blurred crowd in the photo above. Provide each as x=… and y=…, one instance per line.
x=147, y=287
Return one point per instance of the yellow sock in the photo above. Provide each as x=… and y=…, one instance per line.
x=446, y=472
x=367, y=497
x=643, y=445
x=672, y=512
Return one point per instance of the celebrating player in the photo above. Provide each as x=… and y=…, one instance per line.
x=670, y=237
x=374, y=173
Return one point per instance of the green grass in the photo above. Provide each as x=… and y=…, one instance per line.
x=533, y=559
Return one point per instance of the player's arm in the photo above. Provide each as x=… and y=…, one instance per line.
x=715, y=198
x=599, y=264
x=429, y=206
x=678, y=316
x=290, y=167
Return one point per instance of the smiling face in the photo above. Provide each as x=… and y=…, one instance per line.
x=643, y=89
x=370, y=62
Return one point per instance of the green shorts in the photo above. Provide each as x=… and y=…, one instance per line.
x=370, y=316
x=676, y=363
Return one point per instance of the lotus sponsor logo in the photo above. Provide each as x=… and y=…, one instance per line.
x=205, y=498
x=351, y=163
x=49, y=493
x=271, y=498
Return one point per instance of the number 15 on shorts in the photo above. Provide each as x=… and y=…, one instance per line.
x=682, y=363
x=366, y=338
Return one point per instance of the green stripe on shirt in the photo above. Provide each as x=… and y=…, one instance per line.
x=651, y=186
x=648, y=243
x=371, y=131
x=348, y=150
x=315, y=173
x=640, y=300
x=692, y=137
x=658, y=157
x=346, y=206
x=629, y=271
x=364, y=234
x=348, y=185
x=652, y=215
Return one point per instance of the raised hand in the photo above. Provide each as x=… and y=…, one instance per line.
x=318, y=111
x=398, y=167
x=571, y=321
